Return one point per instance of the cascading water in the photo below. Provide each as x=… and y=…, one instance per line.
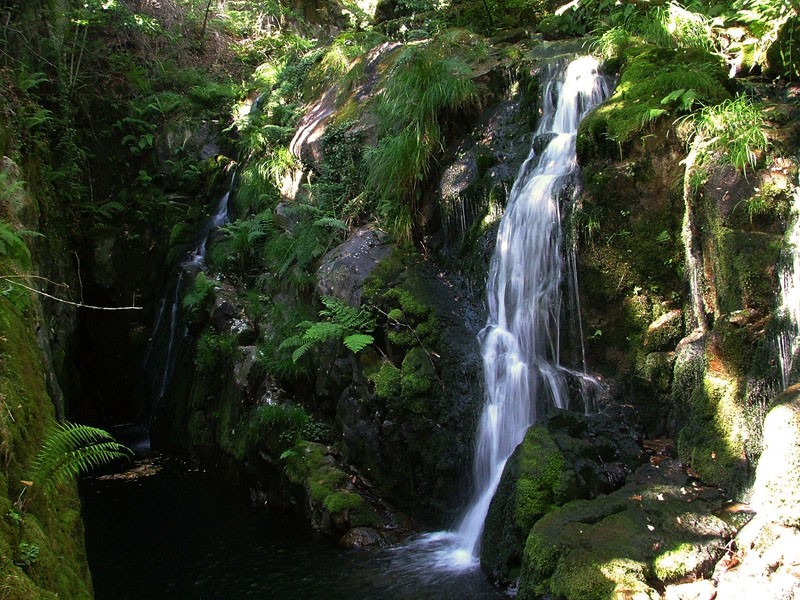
x=789, y=339
x=165, y=329
x=520, y=343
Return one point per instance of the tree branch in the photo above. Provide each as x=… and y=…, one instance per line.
x=8, y=278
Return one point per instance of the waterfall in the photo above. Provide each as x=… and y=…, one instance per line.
x=162, y=350
x=520, y=342
x=789, y=308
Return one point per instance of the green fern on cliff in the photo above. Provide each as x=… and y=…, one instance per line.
x=70, y=450
x=340, y=323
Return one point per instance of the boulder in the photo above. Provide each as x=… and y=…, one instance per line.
x=568, y=456
x=361, y=537
x=665, y=332
x=776, y=492
x=655, y=531
x=343, y=270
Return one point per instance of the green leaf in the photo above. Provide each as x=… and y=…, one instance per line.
x=298, y=354
x=70, y=450
x=357, y=342
x=672, y=96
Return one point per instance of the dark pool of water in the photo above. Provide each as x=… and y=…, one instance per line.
x=185, y=533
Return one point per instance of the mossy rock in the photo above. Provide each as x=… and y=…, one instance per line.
x=537, y=478
x=630, y=543
x=776, y=491
x=744, y=268
x=648, y=76
x=50, y=521
x=713, y=438
x=568, y=456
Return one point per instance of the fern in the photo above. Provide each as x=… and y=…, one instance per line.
x=13, y=246
x=201, y=294
x=357, y=342
x=341, y=323
x=70, y=450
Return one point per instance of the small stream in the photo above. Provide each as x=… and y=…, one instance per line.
x=164, y=529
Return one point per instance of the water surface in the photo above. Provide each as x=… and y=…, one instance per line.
x=185, y=533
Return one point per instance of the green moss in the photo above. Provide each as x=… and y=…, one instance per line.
x=340, y=501
x=50, y=521
x=544, y=479
x=324, y=480
x=713, y=439
x=744, y=264
x=676, y=563
x=581, y=578
x=418, y=375
x=648, y=76
x=387, y=381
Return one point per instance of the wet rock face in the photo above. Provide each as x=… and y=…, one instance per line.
x=344, y=269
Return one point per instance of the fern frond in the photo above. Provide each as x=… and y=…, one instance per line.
x=357, y=341
x=291, y=342
x=322, y=331
x=331, y=222
x=298, y=354
x=70, y=450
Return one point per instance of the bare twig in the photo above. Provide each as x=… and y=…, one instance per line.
x=78, y=304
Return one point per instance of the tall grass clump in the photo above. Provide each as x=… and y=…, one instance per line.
x=425, y=81
x=733, y=128
x=673, y=26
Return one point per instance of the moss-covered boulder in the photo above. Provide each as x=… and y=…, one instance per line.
x=408, y=417
x=536, y=479
x=42, y=553
x=655, y=530
x=642, y=96
x=568, y=456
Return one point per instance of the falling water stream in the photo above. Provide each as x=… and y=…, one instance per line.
x=520, y=343
x=789, y=339
x=161, y=353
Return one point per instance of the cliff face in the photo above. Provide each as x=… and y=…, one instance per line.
x=41, y=537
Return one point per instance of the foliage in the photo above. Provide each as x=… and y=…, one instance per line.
x=70, y=450
x=214, y=352
x=425, y=81
x=283, y=314
x=291, y=256
x=277, y=426
x=654, y=83
x=199, y=297
x=13, y=246
x=338, y=190
x=765, y=17
x=241, y=241
x=339, y=62
x=342, y=323
x=26, y=555
x=734, y=128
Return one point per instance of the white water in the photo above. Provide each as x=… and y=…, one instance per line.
x=789, y=340
x=520, y=343
x=195, y=261
x=197, y=258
